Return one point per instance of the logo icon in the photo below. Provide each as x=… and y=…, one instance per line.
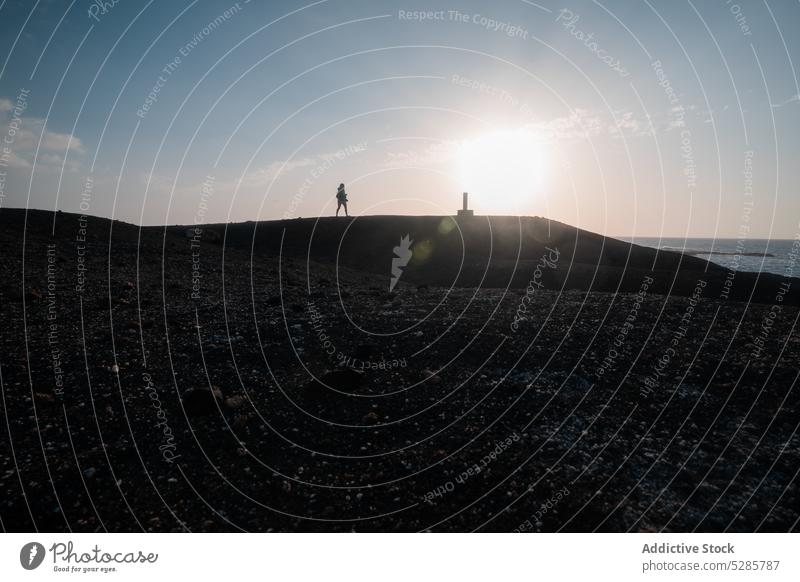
x=403, y=254
x=31, y=555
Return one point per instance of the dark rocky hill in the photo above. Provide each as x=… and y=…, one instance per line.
x=494, y=252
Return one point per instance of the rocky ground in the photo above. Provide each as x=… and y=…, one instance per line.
x=205, y=389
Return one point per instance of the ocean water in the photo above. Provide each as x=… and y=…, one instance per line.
x=754, y=255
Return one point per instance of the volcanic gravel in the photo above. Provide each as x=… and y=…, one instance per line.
x=289, y=395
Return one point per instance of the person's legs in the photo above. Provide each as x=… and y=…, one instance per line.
x=338, y=206
x=345, y=209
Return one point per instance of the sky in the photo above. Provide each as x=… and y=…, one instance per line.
x=653, y=118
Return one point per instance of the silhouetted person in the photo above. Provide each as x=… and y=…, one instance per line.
x=341, y=200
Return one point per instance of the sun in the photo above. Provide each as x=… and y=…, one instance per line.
x=503, y=170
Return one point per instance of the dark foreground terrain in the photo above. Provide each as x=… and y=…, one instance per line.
x=533, y=378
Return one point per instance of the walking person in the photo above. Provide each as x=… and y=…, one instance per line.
x=341, y=200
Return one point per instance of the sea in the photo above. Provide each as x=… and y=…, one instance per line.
x=779, y=256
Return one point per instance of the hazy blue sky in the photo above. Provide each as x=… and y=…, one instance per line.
x=624, y=118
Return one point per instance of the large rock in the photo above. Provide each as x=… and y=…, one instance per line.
x=202, y=401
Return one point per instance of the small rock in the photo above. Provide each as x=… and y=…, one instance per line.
x=370, y=418
x=234, y=402
x=431, y=377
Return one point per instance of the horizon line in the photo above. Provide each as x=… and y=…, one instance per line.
x=454, y=216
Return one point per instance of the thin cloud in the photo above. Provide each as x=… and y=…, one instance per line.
x=31, y=129
x=793, y=99
x=264, y=175
x=24, y=134
x=432, y=154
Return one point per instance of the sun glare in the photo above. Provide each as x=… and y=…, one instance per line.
x=502, y=170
